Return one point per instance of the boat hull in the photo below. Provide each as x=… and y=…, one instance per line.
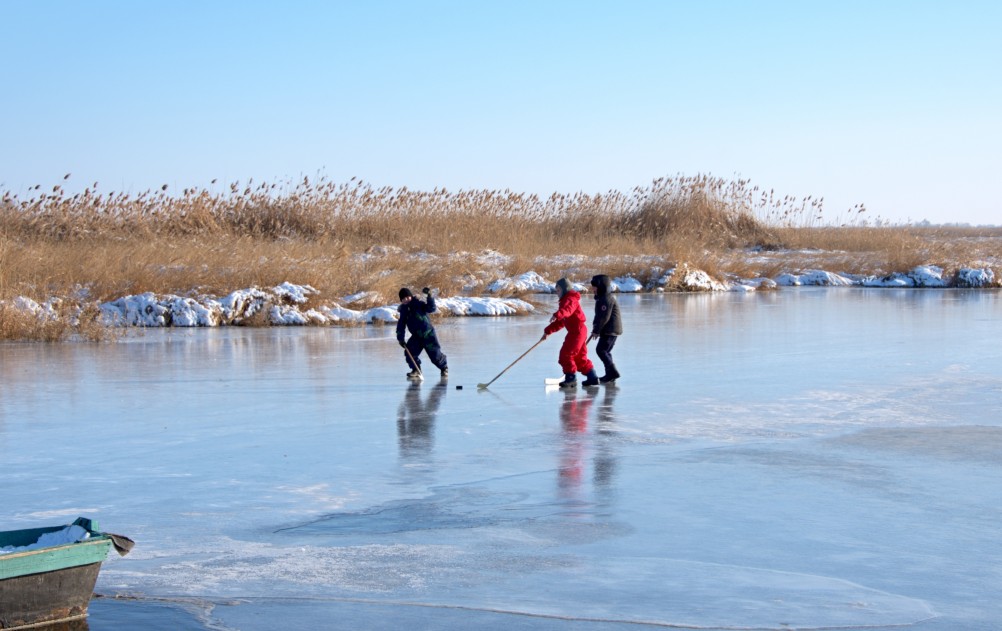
x=50, y=584
x=47, y=597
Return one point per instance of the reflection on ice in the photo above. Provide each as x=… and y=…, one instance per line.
x=416, y=419
x=574, y=413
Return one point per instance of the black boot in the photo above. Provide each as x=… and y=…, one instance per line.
x=611, y=374
x=414, y=374
x=569, y=381
x=592, y=379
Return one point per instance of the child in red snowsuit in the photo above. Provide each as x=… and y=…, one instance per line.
x=574, y=352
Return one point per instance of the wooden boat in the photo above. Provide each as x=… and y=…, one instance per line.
x=42, y=583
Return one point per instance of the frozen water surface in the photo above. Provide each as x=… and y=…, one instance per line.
x=808, y=458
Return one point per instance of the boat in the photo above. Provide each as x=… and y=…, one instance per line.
x=47, y=575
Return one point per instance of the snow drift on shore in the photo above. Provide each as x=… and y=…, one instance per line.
x=281, y=305
x=286, y=304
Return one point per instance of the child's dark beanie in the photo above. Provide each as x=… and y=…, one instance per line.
x=404, y=292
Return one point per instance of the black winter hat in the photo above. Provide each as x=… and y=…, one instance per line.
x=602, y=283
x=404, y=292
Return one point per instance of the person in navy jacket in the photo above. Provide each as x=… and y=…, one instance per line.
x=413, y=317
x=607, y=325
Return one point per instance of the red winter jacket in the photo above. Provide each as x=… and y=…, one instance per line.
x=570, y=315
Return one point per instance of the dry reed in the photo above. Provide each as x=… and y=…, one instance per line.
x=316, y=232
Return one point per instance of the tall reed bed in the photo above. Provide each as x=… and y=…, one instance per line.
x=355, y=214
x=100, y=245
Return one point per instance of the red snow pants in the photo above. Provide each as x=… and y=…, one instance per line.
x=574, y=352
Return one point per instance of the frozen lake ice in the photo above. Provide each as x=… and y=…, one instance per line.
x=807, y=458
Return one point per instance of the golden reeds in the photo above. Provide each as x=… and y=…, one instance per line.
x=54, y=324
x=316, y=232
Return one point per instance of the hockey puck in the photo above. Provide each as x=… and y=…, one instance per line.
x=459, y=387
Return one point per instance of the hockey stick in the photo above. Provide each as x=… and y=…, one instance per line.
x=417, y=367
x=482, y=386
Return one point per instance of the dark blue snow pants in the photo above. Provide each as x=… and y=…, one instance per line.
x=430, y=344
x=604, y=352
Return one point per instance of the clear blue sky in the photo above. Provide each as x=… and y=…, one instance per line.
x=895, y=104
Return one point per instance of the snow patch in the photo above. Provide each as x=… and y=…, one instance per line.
x=698, y=280
x=627, y=284
x=149, y=310
x=69, y=534
x=293, y=293
x=967, y=277
x=484, y=306
x=336, y=313
x=529, y=282
x=44, y=311
x=364, y=297
x=493, y=257
x=753, y=284
x=813, y=277
x=921, y=276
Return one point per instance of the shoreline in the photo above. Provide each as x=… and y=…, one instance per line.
x=290, y=304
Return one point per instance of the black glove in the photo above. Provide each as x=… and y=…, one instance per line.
x=426, y=291
x=402, y=343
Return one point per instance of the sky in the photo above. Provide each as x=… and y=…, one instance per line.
x=893, y=104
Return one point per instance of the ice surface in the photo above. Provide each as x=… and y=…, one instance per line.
x=809, y=458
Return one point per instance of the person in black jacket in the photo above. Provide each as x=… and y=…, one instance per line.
x=413, y=317
x=607, y=326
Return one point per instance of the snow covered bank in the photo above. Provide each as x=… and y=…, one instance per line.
x=922, y=276
x=281, y=305
x=684, y=278
x=287, y=304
